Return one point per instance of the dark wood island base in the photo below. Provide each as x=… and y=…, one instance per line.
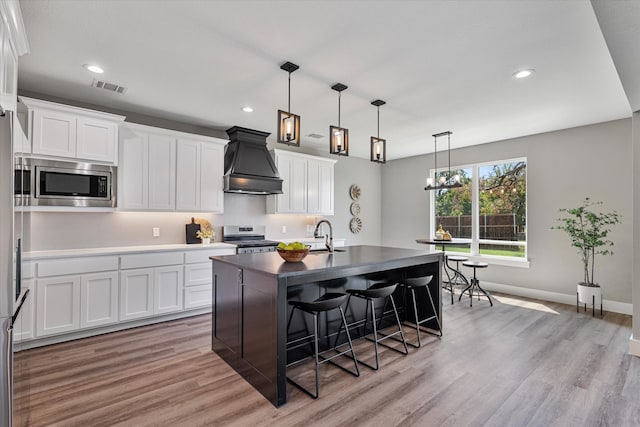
x=251, y=291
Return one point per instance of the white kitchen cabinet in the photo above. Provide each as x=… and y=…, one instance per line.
x=54, y=133
x=307, y=184
x=20, y=140
x=136, y=293
x=162, y=173
x=211, y=172
x=197, y=296
x=13, y=43
x=64, y=131
x=293, y=171
x=57, y=305
x=168, y=289
x=23, y=329
x=199, y=176
x=99, y=299
x=133, y=172
x=163, y=170
x=96, y=139
x=147, y=171
x=197, y=274
x=320, y=187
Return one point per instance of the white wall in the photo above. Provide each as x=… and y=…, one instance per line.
x=563, y=168
x=50, y=230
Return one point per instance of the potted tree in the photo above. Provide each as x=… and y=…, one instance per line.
x=588, y=231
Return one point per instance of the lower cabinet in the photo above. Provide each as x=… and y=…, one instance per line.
x=69, y=294
x=197, y=285
x=23, y=328
x=99, y=304
x=197, y=296
x=136, y=293
x=57, y=305
x=168, y=296
x=149, y=291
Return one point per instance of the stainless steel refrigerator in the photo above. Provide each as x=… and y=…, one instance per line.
x=12, y=294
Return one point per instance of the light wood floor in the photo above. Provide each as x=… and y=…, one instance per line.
x=522, y=362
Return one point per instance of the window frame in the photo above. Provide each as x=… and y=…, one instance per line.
x=475, y=240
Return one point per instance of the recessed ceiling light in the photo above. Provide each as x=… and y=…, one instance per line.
x=93, y=68
x=523, y=74
x=247, y=109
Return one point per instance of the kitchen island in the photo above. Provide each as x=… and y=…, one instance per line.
x=250, y=294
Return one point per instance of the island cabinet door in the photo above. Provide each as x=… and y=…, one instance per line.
x=259, y=328
x=226, y=311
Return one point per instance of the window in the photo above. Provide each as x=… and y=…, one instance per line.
x=490, y=209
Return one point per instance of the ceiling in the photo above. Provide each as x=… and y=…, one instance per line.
x=438, y=65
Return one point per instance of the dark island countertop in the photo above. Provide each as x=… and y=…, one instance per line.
x=359, y=259
x=251, y=315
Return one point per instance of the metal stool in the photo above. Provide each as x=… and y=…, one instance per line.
x=475, y=283
x=327, y=302
x=418, y=283
x=376, y=291
x=458, y=278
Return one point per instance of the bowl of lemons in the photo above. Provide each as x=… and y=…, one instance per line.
x=293, y=252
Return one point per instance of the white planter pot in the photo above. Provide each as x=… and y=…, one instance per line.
x=206, y=241
x=586, y=294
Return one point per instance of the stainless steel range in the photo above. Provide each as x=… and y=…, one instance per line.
x=248, y=238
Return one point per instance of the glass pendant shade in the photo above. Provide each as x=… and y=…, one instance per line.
x=289, y=123
x=378, y=150
x=288, y=128
x=338, y=136
x=339, y=141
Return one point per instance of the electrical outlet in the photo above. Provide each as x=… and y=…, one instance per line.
x=156, y=231
x=284, y=228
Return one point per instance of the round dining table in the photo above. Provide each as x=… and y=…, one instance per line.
x=455, y=273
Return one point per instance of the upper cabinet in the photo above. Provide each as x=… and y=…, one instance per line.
x=13, y=44
x=307, y=184
x=70, y=132
x=199, y=180
x=147, y=172
x=163, y=170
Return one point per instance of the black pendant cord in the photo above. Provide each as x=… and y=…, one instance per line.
x=339, y=96
x=289, y=111
x=378, y=122
x=449, y=150
x=435, y=160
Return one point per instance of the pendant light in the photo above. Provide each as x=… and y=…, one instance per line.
x=289, y=123
x=447, y=181
x=378, y=145
x=338, y=136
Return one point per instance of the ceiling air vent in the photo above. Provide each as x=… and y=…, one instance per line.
x=109, y=86
x=315, y=136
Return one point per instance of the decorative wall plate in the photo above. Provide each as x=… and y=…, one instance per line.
x=355, y=225
x=354, y=192
x=355, y=209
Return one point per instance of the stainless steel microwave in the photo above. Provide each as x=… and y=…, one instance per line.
x=41, y=182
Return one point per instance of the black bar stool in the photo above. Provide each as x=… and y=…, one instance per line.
x=412, y=284
x=457, y=278
x=373, y=292
x=327, y=302
x=475, y=283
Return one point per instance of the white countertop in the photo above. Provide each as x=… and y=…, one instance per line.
x=124, y=249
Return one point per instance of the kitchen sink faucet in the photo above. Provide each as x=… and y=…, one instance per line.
x=328, y=238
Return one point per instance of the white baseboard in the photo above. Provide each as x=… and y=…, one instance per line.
x=634, y=346
x=615, y=306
